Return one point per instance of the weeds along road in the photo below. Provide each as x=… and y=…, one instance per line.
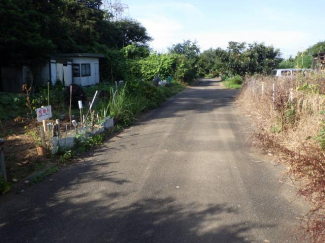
x=183, y=173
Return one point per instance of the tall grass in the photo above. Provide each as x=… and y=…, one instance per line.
x=123, y=106
x=128, y=101
x=288, y=114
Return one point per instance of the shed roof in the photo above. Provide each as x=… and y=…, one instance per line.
x=70, y=55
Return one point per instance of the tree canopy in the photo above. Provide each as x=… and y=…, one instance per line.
x=240, y=59
x=31, y=30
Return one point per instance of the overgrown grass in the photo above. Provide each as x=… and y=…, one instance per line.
x=289, y=117
x=123, y=104
x=234, y=82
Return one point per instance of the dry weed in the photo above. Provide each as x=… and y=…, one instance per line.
x=288, y=114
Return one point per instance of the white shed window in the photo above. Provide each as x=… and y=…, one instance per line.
x=85, y=70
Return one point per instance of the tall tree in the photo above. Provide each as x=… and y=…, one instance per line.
x=22, y=39
x=131, y=32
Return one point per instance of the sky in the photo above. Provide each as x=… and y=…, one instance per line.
x=289, y=25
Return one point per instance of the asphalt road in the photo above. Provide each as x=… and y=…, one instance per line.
x=184, y=173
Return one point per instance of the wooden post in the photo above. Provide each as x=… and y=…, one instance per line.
x=43, y=137
x=70, y=105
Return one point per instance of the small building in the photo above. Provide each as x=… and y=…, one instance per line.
x=72, y=68
x=319, y=62
x=68, y=68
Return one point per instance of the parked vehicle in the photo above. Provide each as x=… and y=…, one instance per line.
x=290, y=72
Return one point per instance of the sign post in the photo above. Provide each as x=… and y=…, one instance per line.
x=44, y=113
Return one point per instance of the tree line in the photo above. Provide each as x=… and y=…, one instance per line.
x=32, y=30
x=239, y=58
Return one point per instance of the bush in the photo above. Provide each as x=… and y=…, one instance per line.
x=153, y=95
x=77, y=94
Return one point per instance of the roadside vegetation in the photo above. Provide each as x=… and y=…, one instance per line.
x=234, y=82
x=238, y=60
x=288, y=115
x=127, y=72
x=304, y=59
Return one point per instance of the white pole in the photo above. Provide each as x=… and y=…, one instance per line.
x=291, y=94
x=91, y=104
x=262, y=89
x=273, y=95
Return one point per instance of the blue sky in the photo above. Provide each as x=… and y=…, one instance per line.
x=288, y=25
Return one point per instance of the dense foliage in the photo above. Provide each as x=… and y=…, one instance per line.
x=239, y=59
x=32, y=30
x=304, y=59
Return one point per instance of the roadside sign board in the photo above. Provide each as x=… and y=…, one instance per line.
x=44, y=113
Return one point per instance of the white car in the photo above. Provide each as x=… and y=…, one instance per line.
x=290, y=72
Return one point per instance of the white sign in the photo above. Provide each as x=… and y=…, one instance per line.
x=44, y=113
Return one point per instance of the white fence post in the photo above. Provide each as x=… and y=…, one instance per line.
x=262, y=89
x=273, y=95
x=291, y=95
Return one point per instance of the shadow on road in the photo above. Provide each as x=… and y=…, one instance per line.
x=104, y=220
x=94, y=202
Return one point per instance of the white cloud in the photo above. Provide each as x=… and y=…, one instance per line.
x=173, y=22
x=164, y=8
x=163, y=30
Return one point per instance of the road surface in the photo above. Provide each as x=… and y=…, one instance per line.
x=185, y=172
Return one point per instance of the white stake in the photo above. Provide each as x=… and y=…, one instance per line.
x=262, y=89
x=273, y=95
x=291, y=94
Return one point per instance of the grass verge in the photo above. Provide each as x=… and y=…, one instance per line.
x=234, y=82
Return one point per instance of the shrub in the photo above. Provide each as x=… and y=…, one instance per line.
x=154, y=96
x=77, y=94
x=234, y=82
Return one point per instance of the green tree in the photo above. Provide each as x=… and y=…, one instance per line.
x=287, y=63
x=303, y=60
x=262, y=58
x=22, y=39
x=135, y=52
x=207, y=62
x=188, y=58
x=241, y=59
x=131, y=32
x=317, y=48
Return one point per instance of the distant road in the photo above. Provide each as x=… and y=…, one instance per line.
x=183, y=173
